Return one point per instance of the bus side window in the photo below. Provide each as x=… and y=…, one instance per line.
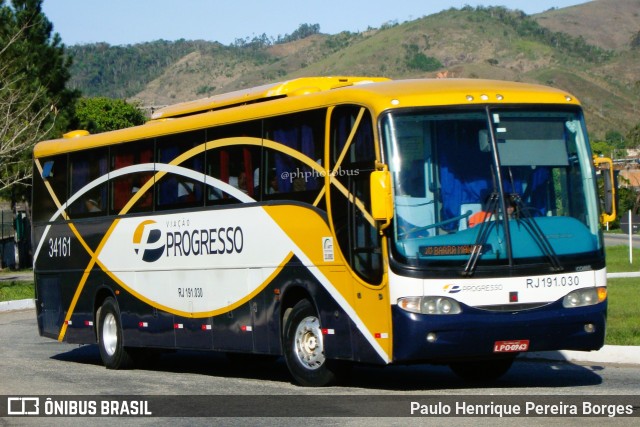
x=138, y=158
x=297, y=176
x=84, y=169
x=175, y=189
x=232, y=161
x=55, y=174
x=235, y=166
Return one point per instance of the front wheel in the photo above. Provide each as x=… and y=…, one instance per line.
x=304, y=347
x=112, y=351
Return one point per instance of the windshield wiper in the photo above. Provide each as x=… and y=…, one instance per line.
x=483, y=234
x=536, y=232
x=524, y=218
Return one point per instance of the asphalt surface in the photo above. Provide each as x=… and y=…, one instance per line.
x=621, y=240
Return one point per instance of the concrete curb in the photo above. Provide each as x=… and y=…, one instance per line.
x=21, y=304
x=615, y=354
x=614, y=275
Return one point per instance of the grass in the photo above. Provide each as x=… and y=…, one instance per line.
x=618, y=259
x=16, y=290
x=623, y=317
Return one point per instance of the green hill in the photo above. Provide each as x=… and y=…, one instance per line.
x=471, y=42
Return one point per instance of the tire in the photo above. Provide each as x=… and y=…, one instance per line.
x=482, y=371
x=304, y=347
x=110, y=341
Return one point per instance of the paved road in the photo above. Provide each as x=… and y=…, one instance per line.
x=32, y=365
x=8, y=275
x=621, y=240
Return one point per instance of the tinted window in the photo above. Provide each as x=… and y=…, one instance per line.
x=293, y=162
x=55, y=174
x=233, y=163
x=131, y=169
x=87, y=183
x=182, y=186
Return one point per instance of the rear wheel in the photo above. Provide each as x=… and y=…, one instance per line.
x=112, y=351
x=304, y=347
x=482, y=370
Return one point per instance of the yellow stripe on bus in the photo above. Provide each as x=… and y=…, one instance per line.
x=85, y=275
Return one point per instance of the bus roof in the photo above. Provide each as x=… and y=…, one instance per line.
x=376, y=93
x=296, y=87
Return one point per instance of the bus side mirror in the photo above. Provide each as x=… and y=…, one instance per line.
x=381, y=201
x=608, y=193
x=605, y=166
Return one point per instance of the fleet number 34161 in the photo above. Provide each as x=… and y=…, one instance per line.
x=59, y=247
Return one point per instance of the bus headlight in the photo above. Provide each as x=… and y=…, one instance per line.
x=584, y=297
x=429, y=305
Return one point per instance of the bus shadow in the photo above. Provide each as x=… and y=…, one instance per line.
x=209, y=363
x=525, y=372
x=84, y=354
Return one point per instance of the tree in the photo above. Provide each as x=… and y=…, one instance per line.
x=602, y=148
x=303, y=31
x=615, y=139
x=635, y=41
x=419, y=61
x=105, y=114
x=34, y=101
x=24, y=120
x=633, y=137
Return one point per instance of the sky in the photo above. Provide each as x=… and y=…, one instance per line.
x=122, y=22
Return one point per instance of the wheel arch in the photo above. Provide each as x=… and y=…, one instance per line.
x=101, y=295
x=289, y=299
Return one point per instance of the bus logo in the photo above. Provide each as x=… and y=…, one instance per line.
x=451, y=289
x=147, y=242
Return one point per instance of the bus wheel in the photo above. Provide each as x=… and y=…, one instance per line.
x=482, y=370
x=112, y=351
x=304, y=347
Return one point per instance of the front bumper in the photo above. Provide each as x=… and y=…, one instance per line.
x=473, y=333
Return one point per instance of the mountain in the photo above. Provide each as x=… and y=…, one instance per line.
x=591, y=50
x=609, y=24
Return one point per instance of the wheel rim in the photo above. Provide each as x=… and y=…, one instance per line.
x=110, y=334
x=308, y=345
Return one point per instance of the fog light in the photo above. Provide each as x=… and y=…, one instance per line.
x=589, y=328
x=432, y=337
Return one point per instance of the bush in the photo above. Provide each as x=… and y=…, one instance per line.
x=104, y=114
x=417, y=60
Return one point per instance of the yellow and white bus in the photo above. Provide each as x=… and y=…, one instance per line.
x=329, y=220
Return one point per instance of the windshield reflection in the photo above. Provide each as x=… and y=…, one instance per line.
x=458, y=202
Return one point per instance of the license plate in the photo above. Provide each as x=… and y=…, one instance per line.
x=511, y=346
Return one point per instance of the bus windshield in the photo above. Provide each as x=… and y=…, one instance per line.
x=491, y=187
